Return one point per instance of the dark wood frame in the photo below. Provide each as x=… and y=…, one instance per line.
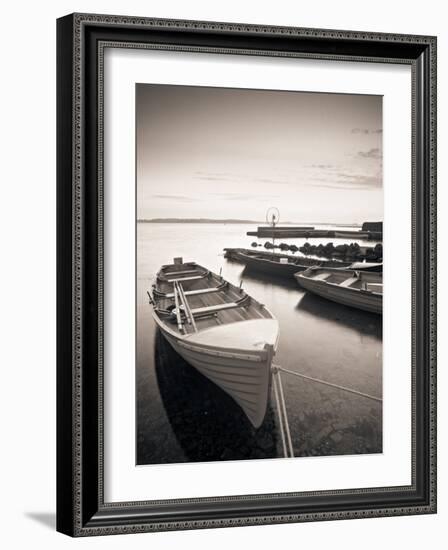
x=81, y=39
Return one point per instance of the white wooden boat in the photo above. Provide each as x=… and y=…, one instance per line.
x=220, y=330
x=359, y=289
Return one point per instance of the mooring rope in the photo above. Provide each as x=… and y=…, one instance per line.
x=280, y=415
x=285, y=414
x=337, y=386
x=285, y=432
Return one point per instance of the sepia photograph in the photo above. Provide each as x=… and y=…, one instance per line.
x=259, y=274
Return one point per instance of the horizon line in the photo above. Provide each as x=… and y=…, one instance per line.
x=234, y=220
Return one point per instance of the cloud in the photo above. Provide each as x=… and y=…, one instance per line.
x=360, y=131
x=339, y=185
x=220, y=196
x=217, y=174
x=348, y=180
x=212, y=178
x=179, y=198
x=366, y=180
x=270, y=180
x=366, y=131
x=322, y=166
x=374, y=153
x=242, y=196
x=238, y=178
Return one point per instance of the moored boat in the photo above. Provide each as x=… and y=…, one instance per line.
x=220, y=330
x=278, y=264
x=354, y=288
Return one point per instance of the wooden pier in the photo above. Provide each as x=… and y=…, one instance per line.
x=270, y=232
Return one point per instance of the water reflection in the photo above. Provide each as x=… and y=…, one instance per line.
x=254, y=275
x=362, y=322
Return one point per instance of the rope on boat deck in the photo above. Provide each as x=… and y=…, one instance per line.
x=285, y=432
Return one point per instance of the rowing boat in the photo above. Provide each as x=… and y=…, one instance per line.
x=220, y=330
x=281, y=265
x=359, y=289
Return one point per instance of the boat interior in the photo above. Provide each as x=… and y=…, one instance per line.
x=192, y=299
x=359, y=280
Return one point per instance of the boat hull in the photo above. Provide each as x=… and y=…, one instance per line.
x=267, y=266
x=244, y=374
x=360, y=299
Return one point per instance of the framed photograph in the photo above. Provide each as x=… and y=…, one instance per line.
x=246, y=274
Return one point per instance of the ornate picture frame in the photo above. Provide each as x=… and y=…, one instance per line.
x=81, y=507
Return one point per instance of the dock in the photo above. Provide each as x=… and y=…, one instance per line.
x=289, y=232
x=369, y=232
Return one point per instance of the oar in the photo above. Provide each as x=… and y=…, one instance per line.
x=180, y=326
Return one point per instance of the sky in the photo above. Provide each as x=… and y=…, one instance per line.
x=231, y=153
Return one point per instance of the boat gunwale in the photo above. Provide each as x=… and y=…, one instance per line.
x=319, y=282
x=338, y=270
x=186, y=338
x=348, y=288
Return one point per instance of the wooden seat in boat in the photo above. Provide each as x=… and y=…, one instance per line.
x=216, y=308
x=321, y=276
x=182, y=279
x=348, y=282
x=186, y=272
x=197, y=292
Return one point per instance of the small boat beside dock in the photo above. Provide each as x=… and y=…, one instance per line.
x=220, y=330
x=281, y=265
x=354, y=288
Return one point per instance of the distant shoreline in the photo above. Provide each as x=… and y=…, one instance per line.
x=231, y=221
x=195, y=220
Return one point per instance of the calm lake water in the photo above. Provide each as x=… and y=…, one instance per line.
x=182, y=417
